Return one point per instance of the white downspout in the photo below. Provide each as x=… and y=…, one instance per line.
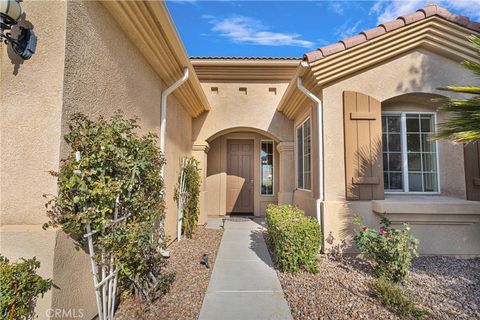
x=163, y=112
x=163, y=127
x=318, y=104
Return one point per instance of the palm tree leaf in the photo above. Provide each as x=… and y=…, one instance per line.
x=463, y=122
x=464, y=89
x=472, y=66
x=475, y=40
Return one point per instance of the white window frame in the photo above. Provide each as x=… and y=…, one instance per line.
x=403, y=141
x=303, y=155
x=273, y=168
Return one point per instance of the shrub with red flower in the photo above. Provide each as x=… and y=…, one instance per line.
x=391, y=250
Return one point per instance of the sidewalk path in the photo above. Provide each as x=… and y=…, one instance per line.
x=244, y=284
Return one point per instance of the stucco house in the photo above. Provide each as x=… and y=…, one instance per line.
x=344, y=132
x=341, y=131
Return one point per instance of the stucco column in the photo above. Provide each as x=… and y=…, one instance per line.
x=286, y=179
x=199, y=152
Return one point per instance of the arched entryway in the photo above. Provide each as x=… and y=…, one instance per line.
x=244, y=171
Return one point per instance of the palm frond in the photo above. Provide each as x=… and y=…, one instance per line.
x=463, y=122
x=475, y=40
x=464, y=89
x=472, y=66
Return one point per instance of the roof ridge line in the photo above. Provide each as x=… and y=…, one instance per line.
x=386, y=27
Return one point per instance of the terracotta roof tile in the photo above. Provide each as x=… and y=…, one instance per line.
x=413, y=17
x=353, y=41
x=461, y=20
x=392, y=25
x=386, y=27
x=332, y=48
x=429, y=10
x=314, y=55
x=442, y=12
x=373, y=33
x=473, y=25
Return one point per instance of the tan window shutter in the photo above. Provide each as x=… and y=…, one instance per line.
x=363, y=146
x=471, y=153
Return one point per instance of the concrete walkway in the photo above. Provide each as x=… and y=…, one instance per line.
x=244, y=284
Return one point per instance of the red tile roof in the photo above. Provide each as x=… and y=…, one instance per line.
x=386, y=27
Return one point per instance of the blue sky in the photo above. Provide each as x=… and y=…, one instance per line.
x=286, y=28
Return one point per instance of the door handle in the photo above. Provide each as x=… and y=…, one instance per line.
x=251, y=182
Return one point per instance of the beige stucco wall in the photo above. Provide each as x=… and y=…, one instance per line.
x=417, y=71
x=444, y=225
x=110, y=74
x=217, y=174
x=30, y=116
x=97, y=70
x=303, y=198
x=231, y=108
x=235, y=114
x=30, y=124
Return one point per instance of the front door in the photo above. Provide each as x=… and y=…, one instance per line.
x=240, y=176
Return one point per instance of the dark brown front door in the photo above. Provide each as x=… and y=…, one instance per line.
x=240, y=176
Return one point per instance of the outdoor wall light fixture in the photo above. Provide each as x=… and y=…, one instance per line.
x=25, y=42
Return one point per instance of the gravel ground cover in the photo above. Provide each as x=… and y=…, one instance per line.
x=185, y=297
x=448, y=288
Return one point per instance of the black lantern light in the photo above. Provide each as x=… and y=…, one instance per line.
x=25, y=42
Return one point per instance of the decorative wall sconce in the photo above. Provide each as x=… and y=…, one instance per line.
x=25, y=43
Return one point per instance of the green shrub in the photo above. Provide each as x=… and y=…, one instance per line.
x=191, y=208
x=116, y=163
x=392, y=297
x=19, y=287
x=293, y=238
x=392, y=250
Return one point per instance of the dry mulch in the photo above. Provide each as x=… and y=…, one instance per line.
x=185, y=297
x=448, y=288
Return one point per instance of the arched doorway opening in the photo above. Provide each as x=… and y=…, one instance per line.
x=242, y=172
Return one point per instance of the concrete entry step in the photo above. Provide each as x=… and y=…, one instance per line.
x=244, y=284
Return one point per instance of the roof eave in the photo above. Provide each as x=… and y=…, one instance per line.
x=292, y=91
x=427, y=12
x=245, y=70
x=435, y=34
x=445, y=37
x=150, y=28
x=244, y=62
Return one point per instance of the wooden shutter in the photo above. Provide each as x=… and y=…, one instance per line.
x=471, y=153
x=363, y=147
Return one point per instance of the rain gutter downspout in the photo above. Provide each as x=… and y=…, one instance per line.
x=163, y=127
x=318, y=104
x=163, y=112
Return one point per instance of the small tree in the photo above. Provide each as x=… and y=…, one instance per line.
x=190, y=177
x=110, y=183
x=464, y=123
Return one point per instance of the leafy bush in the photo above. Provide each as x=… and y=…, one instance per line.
x=392, y=250
x=191, y=209
x=392, y=297
x=117, y=169
x=140, y=262
x=293, y=237
x=19, y=287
